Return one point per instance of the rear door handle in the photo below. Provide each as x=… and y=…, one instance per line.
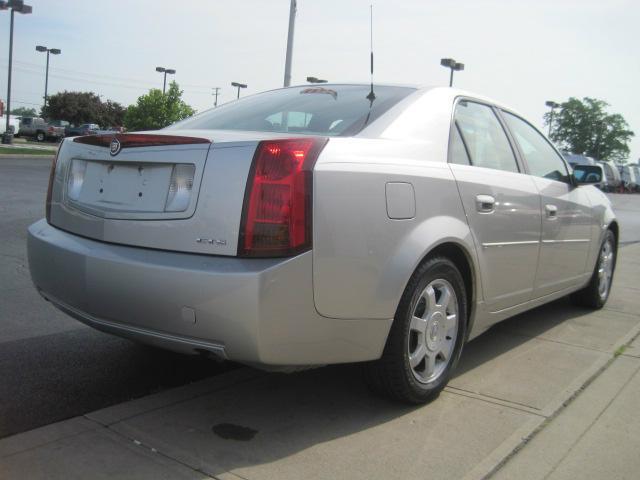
x=551, y=210
x=485, y=203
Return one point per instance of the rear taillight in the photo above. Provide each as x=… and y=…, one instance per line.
x=52, y=176
x=276, y=215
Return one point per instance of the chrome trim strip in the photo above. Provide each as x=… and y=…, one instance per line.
x=90, y=320
x=508, y=244
x=571, y=240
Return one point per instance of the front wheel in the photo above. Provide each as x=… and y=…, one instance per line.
x=426, y=338
x=596, y=293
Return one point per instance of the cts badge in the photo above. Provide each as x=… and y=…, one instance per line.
x=115, y=147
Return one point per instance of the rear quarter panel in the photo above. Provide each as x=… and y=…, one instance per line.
x=362, y=259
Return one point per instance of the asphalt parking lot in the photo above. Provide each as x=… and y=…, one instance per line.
x=53, y=367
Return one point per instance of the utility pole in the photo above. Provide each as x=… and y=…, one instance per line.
x=287, y=61
x=20, y=7
x=215, y=93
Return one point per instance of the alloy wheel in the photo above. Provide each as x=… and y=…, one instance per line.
x=605, y=268
x=433, y=331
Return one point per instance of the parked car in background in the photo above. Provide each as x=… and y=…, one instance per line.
x=316, y=225
x=59, y=123
x=40, y=130
x=629, y=178
x=110, y=131
x=84, y=129
x=636, y=172
x=611, y=180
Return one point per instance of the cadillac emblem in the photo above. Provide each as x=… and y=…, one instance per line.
x=115, y=147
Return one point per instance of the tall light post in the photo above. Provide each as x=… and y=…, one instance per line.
x=166, y=71
x=52, y=51
x=453, y=65
x=287, y=61
x=552, y=105
x=20, y=7
x=315, y=80
x=239, y=86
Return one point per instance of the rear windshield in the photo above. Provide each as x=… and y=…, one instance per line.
x=319, y=110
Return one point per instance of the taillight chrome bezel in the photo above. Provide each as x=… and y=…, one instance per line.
x=300, y=182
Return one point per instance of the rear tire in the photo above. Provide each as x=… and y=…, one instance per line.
x=426, y=337
x=596, y=293
x=40, y=136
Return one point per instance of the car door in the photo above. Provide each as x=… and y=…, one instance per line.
x=502, y=205
x=567, y=221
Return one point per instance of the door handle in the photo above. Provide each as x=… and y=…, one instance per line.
x=485, y=203
x=551, y=210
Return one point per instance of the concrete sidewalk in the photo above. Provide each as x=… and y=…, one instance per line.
x=550, y=393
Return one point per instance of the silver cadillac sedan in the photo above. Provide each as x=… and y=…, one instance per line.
x=314, y=225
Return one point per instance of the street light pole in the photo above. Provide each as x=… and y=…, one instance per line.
x=170, y=71
x=552, y=105
x=453, y=65
x=287, y=61
x=20, y=7
x=53, y=51
x=315, y=80
x=239, y=86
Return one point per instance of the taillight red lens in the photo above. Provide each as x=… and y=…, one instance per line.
x=276, y=216
x=52, y=176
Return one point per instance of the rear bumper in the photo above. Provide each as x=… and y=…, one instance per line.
x=257, y=311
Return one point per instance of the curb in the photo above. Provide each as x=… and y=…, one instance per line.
x=28, y=156
x=510, y=448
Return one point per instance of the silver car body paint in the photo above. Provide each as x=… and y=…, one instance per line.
x=384, y=199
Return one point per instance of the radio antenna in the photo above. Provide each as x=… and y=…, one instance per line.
x=372, y=96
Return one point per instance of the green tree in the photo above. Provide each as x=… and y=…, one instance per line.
x=23, y=112
x=74, y=107
x=84, y=107
x=112, y=114
x=586, y=128
x=156, y=110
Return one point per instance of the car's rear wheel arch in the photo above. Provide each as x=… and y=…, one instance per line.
x=613, y=226
x=462, y=260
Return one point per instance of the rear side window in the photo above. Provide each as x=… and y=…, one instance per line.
x=315, y=110
x=484, y=137
x=458, y=153
x=542, y=159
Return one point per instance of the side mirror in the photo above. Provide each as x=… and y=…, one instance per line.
x=587, y=174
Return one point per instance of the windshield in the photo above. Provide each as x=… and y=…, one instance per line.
x=320, y=110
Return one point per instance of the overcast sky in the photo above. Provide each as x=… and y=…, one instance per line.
x=518, y=52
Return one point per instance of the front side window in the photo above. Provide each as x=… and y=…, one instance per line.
x=484, y=137
x=316, y=110
x=542, y=159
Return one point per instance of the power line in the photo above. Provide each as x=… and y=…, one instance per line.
x=128, y=80
x=97, y=82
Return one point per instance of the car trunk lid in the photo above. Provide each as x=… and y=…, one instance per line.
x=116, y=188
